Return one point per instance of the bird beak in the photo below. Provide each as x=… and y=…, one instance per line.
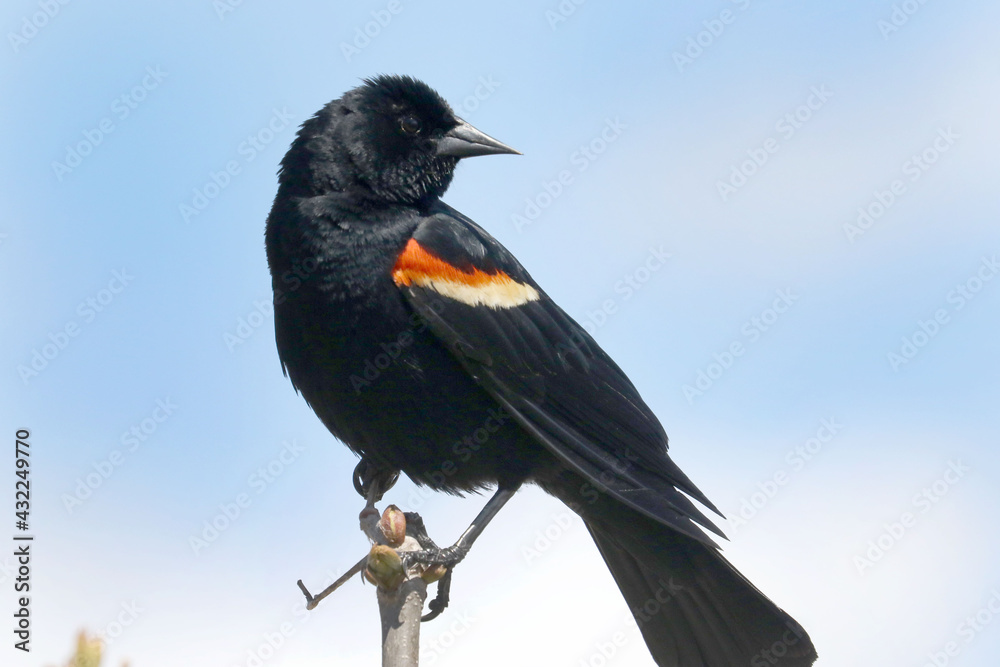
x=463, y=140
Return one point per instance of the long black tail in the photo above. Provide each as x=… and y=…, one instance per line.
x=693, y=608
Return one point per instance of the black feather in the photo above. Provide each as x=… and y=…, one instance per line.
x=406, y=373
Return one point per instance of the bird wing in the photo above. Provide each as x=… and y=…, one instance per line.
x=543, y=367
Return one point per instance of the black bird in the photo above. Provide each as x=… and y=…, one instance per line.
x=425, y=346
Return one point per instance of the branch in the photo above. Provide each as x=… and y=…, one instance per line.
x=400, y=611
x=401, y=606
x=401, y=591
x=311, y=601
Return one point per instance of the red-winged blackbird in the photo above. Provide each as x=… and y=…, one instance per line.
x=425, y=346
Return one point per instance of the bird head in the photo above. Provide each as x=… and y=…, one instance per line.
x=392, y=138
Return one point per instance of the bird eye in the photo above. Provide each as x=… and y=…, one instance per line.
x=409, y=124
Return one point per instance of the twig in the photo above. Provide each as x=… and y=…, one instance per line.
x=311, y=601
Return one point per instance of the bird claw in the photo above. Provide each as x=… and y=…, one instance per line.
x=441, y=600
x=370, y=477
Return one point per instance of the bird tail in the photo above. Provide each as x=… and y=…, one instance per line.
x=693, y=608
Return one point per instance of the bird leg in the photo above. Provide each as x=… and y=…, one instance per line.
x=371, y=481
x=453, y=555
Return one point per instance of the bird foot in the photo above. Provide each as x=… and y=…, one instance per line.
x=433, y=556
x=448, y=556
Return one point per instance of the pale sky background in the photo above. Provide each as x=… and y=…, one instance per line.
x=215, y=78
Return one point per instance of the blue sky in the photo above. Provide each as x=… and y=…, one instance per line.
x=741, y=138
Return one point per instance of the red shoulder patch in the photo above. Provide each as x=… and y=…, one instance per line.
x=417, y=266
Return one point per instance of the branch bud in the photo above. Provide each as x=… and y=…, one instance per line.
x=433, y=573
x=385, y=567
x=393, y=526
